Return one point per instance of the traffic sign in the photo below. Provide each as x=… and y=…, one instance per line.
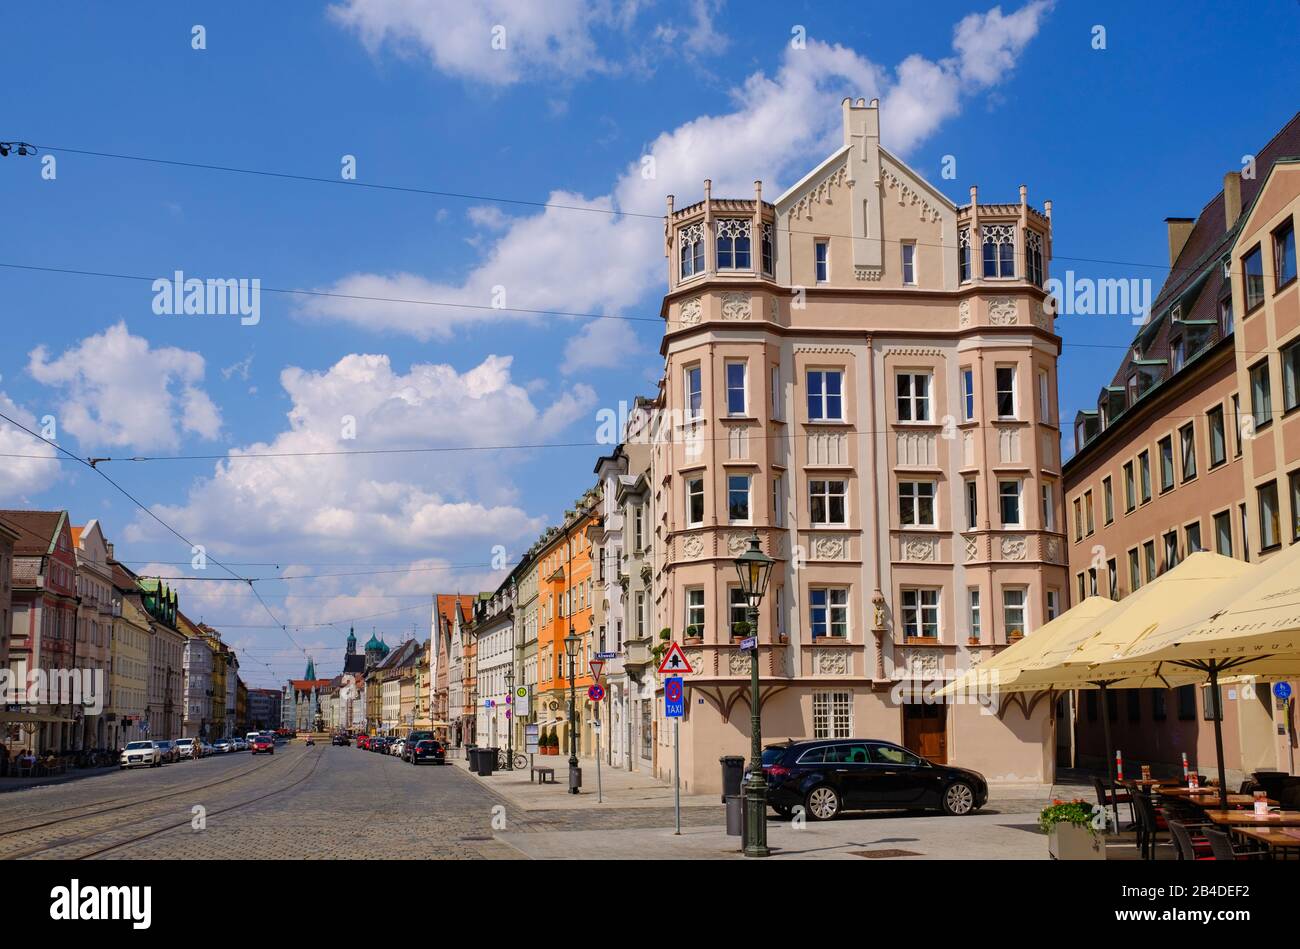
x=596, y=693
x=674, y=661
x=1282, y=690
x=674, y=704
x=597, y=666
x=521, y=700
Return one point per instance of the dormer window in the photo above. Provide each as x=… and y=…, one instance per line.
x=999, y=250
x=733, y=243
x=690, y=244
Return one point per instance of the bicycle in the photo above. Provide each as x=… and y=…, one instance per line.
x=504, y=762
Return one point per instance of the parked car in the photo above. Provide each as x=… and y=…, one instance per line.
x=221, y=746
x=412, y=740
x=262, y=744
x=207, y=749
x=428, y=750
x=138, y=754
x=828, y=777
x=379, y=745
x=340, y=740
x=363, y=741
x=168, y=749
x=187, y=748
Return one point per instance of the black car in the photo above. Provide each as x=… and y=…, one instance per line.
x=427, y=750
x=412, y=740
x=379, y=745
x=829, y=777
x=341, y=740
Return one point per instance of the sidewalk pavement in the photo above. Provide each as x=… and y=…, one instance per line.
x=618, y=788
x=14, y=783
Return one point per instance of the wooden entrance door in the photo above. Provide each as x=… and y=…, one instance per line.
x=925, y=731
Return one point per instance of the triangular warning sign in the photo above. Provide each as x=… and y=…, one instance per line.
x=674, y=662
x=597, y=666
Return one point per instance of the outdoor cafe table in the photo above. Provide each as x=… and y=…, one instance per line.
x=1235, y=819
x=1280, y=839
x=1209, y=797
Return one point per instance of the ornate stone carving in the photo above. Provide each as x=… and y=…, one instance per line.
x=736, y=306
x=737, y=543
x=868, y=274
x=963, y=313
x=1042, y=319
x=691, y=310
x=693, y=546
x=830, y=548
x=733, y=227
x=921, y=664
x=920, y=547
x=1002, y=312
x=819, y=193
x=1053, y=552
x=695, y=657
x=830, y=662
x=909, y=195
x=1014, y=548
x=738, y=663
x=972, y=549
x=911, y=351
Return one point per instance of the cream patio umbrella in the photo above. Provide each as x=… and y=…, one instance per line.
x=1249, y=624
x=1037, y=664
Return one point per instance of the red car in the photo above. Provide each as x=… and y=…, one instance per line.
x=363, y=742
x=263, y=744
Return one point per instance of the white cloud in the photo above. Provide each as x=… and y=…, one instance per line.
x=589, y=262
x=363, y=505
x=21, y=477
x=601, y=344
x=116, y=390
x=553, y=38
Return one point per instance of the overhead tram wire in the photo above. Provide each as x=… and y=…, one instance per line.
x=497, y=199
x=138, y=503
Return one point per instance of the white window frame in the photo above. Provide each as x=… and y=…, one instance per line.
x=1008, y=607
x=827, y=495
x=749, y=498
x=822, y=260
x=973, y=613
x=832, y=714
x=924, y=602
x=744, y=386
x=823, y=396
x=968, y=394
x=1020, y=507
x=913, y=491
x=920, y=408
x=695, y=609
x=1013, y=392
x=836, y=609
x=907, y=250
x=698, y=479
x=693, y=413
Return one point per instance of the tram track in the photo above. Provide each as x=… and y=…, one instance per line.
x=55, y=847
x=94, y=809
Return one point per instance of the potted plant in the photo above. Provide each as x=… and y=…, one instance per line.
x=657, y=653
x=694, y=635
x=1015, y=635
x=1071, y=828
x=739, y=631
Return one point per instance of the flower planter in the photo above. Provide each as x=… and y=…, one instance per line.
x=693, y=640
x=1072, y=842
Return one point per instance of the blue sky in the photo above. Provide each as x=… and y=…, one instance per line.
x=1118, y=139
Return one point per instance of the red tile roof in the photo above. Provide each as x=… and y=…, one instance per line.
x=36, y=530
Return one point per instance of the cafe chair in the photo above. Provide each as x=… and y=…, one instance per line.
x=1189, y=847
x=1106, y=799
x=1221, y=845
x=1149, y=825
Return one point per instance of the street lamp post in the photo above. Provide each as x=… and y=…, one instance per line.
x=571, y=649
x=510, y=720
x=755, y=569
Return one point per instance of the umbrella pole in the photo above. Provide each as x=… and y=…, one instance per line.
x=1218, y=734
x=1110, y=753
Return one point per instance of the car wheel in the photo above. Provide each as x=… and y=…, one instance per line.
x=959, y=799
x=822, y=803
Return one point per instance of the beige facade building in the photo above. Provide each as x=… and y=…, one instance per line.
x=1187, y=450
x=862, y=373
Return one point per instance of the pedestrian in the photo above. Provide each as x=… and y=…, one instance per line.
x=4, y=760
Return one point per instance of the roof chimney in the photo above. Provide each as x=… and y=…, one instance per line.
x=1180, y=228
x=1231, y=198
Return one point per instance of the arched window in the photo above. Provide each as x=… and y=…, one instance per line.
x=734, y=243
x=690, y=244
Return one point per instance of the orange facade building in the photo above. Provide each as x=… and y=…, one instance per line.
x=564, y=607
